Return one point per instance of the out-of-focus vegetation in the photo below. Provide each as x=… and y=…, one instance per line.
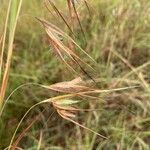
x=118, y=38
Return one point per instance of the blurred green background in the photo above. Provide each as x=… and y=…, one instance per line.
x=118, y=38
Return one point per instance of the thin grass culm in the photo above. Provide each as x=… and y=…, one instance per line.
x=11, y=23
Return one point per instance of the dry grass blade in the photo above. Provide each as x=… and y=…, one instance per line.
x=70, y=11
x=40, y=141
x=12, y=12
x=71, y=108
x=59, y=13
x=77, y=16
x=1, y=56
x=27, y=112
x=59, y=32
x=23, y=133
x=1, y=38
x=2, y=86
x=68, y=116
x=52, y=32
x=46, y=5
x=65, y=113
x=87, y=6
x=60, y=54
x=125, y=61
x=62, y=50
x=83, y=70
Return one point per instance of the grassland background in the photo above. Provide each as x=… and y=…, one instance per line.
x=119, y=26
